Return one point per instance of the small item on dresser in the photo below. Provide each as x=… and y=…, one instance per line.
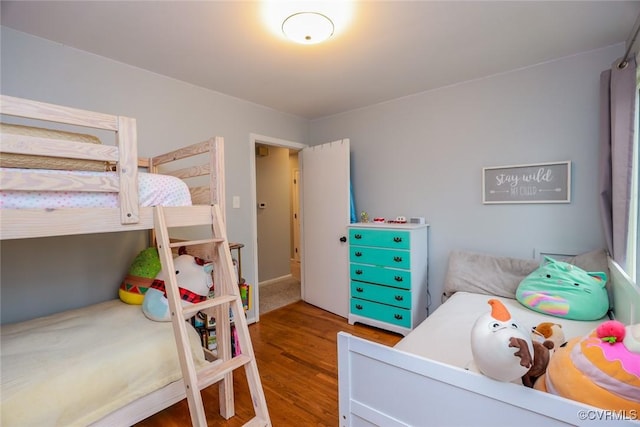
x=398, y=220
x=378, y=220
x=364, y=217
x=417, y=220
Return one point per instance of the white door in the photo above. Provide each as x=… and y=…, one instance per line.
x=325, y=216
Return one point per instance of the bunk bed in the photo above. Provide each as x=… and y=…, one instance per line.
x=127, y=375
x=429, y=378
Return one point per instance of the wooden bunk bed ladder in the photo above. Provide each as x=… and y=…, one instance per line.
x=225, y=305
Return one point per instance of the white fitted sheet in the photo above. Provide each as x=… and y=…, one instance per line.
x=153, y=190
x=445, y=335
x=73, y=368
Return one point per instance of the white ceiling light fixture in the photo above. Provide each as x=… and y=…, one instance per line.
x=308, y=27
x=306, y=21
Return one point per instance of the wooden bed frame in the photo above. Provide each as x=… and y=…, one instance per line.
x=129, y=216
x=383, y=386
x=26, y=223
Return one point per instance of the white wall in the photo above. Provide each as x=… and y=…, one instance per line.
x=422, y=155
x=169, y=114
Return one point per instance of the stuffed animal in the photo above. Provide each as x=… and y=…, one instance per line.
x=564, y=290
x=541, y=355
x=501, y=348
x=611, y=331
x=548, y=331
x=194, y=281
x=144, y=268
x=601, y=369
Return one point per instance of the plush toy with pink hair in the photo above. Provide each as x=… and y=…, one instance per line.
x=601, y=369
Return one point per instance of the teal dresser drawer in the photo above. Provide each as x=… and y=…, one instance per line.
x=377, y=256
x=381, y=312
x=388, y=275
x=393, y=239
x=382, y=294
x=381, y=275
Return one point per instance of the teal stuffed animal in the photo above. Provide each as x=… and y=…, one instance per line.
x=564, y=290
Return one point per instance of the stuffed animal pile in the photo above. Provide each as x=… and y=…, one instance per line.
x=194, y=282
x=601, y=369
x=505, y=351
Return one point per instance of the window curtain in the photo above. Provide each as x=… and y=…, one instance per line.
x=617, y=115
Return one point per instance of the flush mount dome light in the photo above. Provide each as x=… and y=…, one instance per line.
x=307, y=27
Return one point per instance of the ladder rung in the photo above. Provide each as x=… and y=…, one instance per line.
x=195, y=242
x=218, y=370
x=214, y=373
x=192, y=309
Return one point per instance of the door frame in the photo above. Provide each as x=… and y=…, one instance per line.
x=275, y=142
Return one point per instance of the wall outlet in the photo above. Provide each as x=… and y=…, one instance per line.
x=236, y=202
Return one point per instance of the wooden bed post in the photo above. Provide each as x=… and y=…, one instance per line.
x=126, y=138
x=217, y=186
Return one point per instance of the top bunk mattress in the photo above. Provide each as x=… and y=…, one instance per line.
x=445, y=336
x=153, y=190
x=75, y=367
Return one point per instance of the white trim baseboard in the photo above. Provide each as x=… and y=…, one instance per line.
x=277, y=279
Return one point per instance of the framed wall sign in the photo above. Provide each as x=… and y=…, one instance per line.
x=535, y=183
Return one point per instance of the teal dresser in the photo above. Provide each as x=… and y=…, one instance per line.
x=388, y=275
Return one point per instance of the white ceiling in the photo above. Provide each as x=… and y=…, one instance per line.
x=390, y=49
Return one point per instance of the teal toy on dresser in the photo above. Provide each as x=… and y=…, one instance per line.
x=388, y=275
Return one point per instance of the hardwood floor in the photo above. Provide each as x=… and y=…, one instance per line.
x=296, y=350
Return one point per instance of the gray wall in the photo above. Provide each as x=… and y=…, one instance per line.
x=274, y=221
x=169, y=114
x=422, y=155
x=417, y=156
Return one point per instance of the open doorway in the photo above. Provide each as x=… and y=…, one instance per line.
x=277, y=222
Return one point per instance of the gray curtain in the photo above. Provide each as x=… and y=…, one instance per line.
x=617, y=117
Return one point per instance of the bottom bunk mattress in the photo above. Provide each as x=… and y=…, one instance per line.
x=445, y=336
x=75, y=367
x=153, y=190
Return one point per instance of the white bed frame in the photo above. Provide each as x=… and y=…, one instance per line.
x=129, y=216
x=383, y=386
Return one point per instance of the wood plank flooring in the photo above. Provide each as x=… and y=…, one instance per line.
x=296, y=350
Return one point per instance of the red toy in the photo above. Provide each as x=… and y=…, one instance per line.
x=611, y=331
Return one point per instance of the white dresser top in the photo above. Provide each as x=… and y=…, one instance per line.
x=394, y=226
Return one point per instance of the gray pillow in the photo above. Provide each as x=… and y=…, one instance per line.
x=485, y=274
x=500, y=276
